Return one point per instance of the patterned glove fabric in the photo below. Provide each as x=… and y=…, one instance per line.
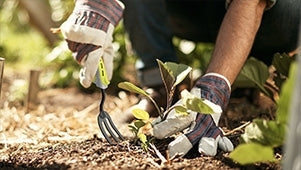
x=216, y=90
x=88, y=32
x=213, y=139
x=203, y=127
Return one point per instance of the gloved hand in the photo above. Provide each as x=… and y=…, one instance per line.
x=88, y=32
x=203, y=128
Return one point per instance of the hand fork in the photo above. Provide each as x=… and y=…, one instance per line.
x=104, y=120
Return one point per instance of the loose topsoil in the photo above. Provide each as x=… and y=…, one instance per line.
x=61, y=132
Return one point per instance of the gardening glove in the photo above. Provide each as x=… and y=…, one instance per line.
x=88, y=32
x=203, y=129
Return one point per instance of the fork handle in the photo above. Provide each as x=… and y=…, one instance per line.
x=102, y=101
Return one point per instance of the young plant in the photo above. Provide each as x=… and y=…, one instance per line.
x=140, y=127
x=172, y=74
x=262, y=136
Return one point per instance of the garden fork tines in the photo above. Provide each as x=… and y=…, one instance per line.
x=106, y=124
x=104, y=120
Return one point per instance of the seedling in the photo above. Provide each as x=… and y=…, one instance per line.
x=172, y=74
x=140, y=127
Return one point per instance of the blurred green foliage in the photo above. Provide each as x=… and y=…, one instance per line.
x=263, y=136
x=19, y=43
x=196, y=55
x=24, y=47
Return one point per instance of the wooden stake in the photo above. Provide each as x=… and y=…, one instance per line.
x=33, y=89
x=1, y=72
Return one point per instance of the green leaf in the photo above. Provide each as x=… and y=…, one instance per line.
x=133, y=128
x=173, y=73
x=140, y=114
x=167, y=77
x=132, y=88
x=139, y=123
x=196, y=104
x=282, y=63
x=181, y=110
x=252, y=153
x=265, y=132
x=285, y=96
x=253, y=74
x=142, y=137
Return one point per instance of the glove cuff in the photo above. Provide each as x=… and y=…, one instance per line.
x=220, y=76
x=215, y=88
x=92, y=22
x=112, y=10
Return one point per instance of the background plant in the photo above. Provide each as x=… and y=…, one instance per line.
x=262, y=136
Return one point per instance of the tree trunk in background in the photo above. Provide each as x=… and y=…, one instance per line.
x=40, y=16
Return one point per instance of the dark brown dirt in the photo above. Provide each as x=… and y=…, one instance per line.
x=62, y=133
x=97, y=154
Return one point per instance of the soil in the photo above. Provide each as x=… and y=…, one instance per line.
x=61, y=132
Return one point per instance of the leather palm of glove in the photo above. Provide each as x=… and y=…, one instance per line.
x=88, y=32
x=203, y=129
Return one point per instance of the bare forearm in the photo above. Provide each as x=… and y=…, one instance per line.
x=236, y=37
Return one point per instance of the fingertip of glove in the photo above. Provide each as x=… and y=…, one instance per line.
x=85, y=83
x=180, y=146
x=225, y=144
x=208, y=146
x=84, y=78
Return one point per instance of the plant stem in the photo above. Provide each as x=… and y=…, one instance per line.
x=156, y=106
x=169, y=110
x=170, y=97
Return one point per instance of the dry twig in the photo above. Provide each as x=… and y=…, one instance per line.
x=238, y=128
x=158, y=153
x=55, y=30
